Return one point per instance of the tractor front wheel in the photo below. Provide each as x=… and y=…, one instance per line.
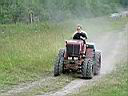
x=87, y=69
x=59, y=63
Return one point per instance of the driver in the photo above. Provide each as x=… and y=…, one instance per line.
x=80, y=34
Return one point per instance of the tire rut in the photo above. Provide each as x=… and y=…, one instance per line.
x=26, y=87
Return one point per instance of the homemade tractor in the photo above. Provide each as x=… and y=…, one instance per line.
x=78, y=57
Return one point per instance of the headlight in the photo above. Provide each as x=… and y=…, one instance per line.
x=75, y=58
x=69, y=58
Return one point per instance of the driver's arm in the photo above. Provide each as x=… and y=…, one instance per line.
x=84, y=34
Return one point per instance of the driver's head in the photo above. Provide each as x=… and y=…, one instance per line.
x=78, y=28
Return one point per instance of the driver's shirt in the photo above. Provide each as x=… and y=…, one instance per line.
x=77, y=35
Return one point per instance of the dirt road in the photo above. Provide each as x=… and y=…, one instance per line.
x=109, y=43
x=110, y=46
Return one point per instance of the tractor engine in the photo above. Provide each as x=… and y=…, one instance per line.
x=74, y=48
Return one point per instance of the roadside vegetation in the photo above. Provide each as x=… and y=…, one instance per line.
x=27, y=51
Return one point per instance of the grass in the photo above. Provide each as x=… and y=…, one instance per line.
x=27, y=51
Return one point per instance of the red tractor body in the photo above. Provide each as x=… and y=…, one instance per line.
x=78, y=57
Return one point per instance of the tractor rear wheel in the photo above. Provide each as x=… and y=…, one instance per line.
x=59, y=63
x=97, y=64
x=87, y=69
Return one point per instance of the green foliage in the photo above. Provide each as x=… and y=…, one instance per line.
x=12, y=11
x=124, y=3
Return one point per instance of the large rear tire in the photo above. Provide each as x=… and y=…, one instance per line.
x=87, y=69
x=59, y=63
x=97, y=64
